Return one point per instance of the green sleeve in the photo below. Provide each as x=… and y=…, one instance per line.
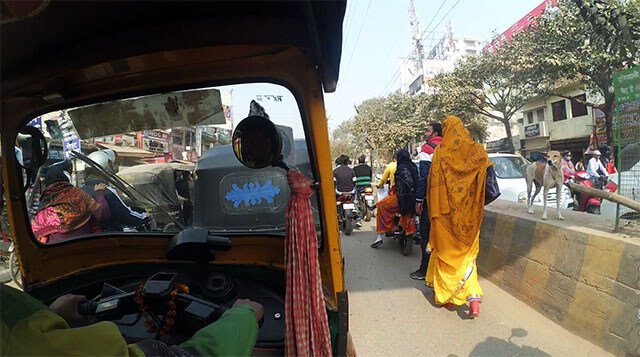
x=234, y=334
x=29, y=328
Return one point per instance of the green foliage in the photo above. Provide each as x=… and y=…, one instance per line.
x=581, y=41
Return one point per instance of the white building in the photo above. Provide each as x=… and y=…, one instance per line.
x=440, y=58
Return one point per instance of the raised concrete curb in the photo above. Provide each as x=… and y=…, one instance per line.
x=575, y=272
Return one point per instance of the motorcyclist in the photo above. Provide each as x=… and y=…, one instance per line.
x=595, y=168
x=121, y=214
x=567, y=166
x=363, y=174
x=345, y=178
x=344, y=175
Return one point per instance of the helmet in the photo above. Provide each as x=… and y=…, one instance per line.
x=104, y=158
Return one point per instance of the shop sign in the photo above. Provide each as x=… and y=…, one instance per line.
x=626, y=86
x=157, y=134
x=532, y=130
x=154, y=145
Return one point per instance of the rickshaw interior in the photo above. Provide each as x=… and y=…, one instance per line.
x=174, y=70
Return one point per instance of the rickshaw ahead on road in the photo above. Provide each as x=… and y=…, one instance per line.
x=126, y=68
x=155, y=191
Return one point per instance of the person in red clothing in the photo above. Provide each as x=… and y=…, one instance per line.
x=433, y=134
x=611, y=165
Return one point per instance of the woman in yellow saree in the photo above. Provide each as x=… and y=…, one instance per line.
x=456, y=192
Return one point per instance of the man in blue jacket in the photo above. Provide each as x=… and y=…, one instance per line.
x=433, y=135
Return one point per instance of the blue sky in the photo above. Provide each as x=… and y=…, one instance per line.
x=370, y=61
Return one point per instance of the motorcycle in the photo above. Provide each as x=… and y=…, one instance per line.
x=585, y=202
x=366, y=203
x=346, y=211
x=398, y=233
x=10, y=255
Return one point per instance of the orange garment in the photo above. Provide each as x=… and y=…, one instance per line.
x=385, y=218
x=456, y=191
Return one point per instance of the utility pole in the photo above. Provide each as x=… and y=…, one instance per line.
x=417, y=53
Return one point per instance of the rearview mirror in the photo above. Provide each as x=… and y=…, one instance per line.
x=31, y=151
x=256, y=142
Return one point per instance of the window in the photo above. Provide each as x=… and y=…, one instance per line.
x=559, y=110
x=150, y=178
x=540, y=114
x=529, y=117
x=579, y=109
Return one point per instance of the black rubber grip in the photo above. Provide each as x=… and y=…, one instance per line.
x=87, y=308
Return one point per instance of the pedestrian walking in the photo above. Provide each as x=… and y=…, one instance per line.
x=434, y=138
x=456, y=195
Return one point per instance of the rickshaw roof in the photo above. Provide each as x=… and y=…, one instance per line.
x=105, y=31
x=139, y=172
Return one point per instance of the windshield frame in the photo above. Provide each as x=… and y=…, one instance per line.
x=274, y=231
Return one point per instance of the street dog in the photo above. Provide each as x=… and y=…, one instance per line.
x=545, y=176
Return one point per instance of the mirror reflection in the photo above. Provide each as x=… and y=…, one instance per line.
x=256, y=142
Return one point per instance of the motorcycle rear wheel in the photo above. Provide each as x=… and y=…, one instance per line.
x=406, y=245
x=367, y=214
x=14, y=269
x=348, y=226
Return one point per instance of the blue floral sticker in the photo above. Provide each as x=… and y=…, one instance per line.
x=252, y=193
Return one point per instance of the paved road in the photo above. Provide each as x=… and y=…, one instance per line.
x=392, y=315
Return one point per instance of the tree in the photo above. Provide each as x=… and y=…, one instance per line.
x=390, y=123
x=581, y=41
x=342, y=141
x=482, y=85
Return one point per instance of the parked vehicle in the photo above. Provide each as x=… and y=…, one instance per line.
x=586, y=202
x=510, y=170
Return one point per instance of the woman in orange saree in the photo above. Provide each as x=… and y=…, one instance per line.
x=456, y=192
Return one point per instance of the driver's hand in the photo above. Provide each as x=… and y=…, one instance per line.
x=100, y=186
x=67, y=307
x=257, y=308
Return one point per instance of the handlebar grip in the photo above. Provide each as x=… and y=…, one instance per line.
x=87, y=308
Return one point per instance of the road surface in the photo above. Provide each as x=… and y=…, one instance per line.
x=393, y=315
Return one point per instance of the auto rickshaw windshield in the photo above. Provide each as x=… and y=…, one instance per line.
x=162, y=163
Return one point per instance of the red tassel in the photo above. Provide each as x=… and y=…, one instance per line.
x=307, y=328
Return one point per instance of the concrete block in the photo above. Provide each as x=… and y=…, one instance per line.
x=622, y=335
x=558, y=295
x=534, y=281
x=588, y=313
x=544, y=245
x=601, y=262
x=569, y=255
x=490, y=264
x=513, y=275
x=488, y=224
x=629, y=269
x=523, y=236
x=503, y=232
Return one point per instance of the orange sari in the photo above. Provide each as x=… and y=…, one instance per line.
x=456, y=192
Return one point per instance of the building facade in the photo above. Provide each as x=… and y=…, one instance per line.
x=558, y=123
